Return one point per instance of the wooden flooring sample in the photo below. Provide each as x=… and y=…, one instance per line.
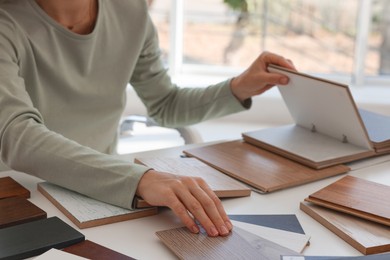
x=263, y=170
x=91, y=250
x=240, y=244
x=223, y=186
x=10, y=188
x=357, y=197
x=366, y=236
x=86, y=212
x=17, y=210
x=36, y=237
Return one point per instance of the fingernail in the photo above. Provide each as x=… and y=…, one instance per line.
x=195, y=229
x=229, y=225
x=283, y=80
x=224, y=231
x=213, y=231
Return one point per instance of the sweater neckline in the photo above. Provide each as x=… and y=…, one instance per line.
x=48, y=19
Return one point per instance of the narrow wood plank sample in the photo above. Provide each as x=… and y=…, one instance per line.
x=85, y=212
x=366, y=236
x=356, y=196
x=10, y=188
x=17, y=210
x=263, y=170
x=36, y=237
x=240, y=244
x=223, y=186
x=91, y=250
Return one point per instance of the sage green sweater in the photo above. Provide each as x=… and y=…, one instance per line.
x=62, y=95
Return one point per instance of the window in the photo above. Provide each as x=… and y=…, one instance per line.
x=349, y=39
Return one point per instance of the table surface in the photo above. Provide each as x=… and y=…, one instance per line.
x=137, y=238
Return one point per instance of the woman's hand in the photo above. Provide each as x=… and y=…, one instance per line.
x=189, y=198
x=257, y=79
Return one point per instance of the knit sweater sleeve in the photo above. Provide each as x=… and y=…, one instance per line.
x=27, y=145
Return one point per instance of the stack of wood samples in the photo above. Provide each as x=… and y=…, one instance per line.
x=328, y=127
x=15, y=208
x=357, y=210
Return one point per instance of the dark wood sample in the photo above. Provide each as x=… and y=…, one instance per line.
x=36, y=237
x=91, y=250
x=10, y=188
x=261, y=169
x=17, y=210
x=356, y=196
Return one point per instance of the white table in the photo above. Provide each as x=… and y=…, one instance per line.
x=137, y=238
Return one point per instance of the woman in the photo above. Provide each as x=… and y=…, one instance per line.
x=64, y=67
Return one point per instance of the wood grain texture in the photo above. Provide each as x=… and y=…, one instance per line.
x=263, y=170
x=240, y=244
x=91, y=250
x=223, y=186
x=10, y=188
x=356, y=196
x=17, y=210
x=85, y=212
x=366, y=236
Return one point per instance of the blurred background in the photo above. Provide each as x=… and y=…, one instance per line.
x=206, y=41
x=349, y=38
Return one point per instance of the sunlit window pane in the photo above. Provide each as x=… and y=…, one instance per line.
x=317, y=35
x=160, y=12
x=378, y=60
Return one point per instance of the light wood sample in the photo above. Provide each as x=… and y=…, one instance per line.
x=356, y=196
x=240, y=244
x=86, y=212
x=263, y=170
x=366, y=236
x=222, y=185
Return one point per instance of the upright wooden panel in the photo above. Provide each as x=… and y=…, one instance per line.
x=356, y=196
x=263, y=170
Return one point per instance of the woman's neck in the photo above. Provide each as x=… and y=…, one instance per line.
x=78, y=16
